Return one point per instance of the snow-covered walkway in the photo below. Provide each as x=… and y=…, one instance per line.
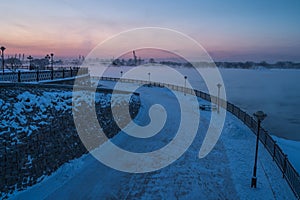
x=224, y=174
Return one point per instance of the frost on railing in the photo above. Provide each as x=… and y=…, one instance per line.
x=287, y=169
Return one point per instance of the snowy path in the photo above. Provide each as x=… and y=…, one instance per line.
x=224, y=174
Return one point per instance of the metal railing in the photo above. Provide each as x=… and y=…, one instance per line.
x=41, y=75
x=287, y=169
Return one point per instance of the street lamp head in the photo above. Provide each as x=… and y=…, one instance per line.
x=185, y=77
x=260, y=115
x=52, y=54
x=2, y=48
x=219, y=85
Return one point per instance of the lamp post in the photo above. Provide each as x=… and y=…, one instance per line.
x=29, y=58
x=149, y=74
x=52, y=60
x=260, y=116
x=47, y=57
x=218, y=100
x=2, y=57
x=52, y=74
x=185, y=77
x=121, y=75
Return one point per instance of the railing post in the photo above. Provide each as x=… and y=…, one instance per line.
x=52, y=73
x=63, y=72
x=19, y=76
x=244, y=117
x=37, y=76
x=274, y=150
x=266, y=136
x=284, y=165
x=71, y=72
x=252, y=126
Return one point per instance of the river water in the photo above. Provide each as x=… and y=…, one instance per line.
x=276, y=92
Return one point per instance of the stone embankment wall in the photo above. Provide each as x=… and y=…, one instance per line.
x=44, y=140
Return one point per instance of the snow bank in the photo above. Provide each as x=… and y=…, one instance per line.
x=29, y=111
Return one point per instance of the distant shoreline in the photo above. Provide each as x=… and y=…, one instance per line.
x=42, y=63
x=259, y=65
x=219, y=64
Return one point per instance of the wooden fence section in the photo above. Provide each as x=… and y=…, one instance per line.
x=42, y=75
x=287, y=169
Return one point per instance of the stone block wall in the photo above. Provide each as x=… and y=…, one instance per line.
x=26, y=160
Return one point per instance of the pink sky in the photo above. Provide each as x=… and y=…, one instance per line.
x=236, y=31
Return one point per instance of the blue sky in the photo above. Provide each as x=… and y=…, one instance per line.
x=228, y=30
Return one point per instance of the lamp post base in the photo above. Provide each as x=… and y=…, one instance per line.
x=253, y=182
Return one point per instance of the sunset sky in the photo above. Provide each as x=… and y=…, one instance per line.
x=231, y=30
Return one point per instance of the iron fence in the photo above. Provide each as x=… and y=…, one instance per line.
x=41, y=75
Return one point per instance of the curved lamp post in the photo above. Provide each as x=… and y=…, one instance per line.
x=2, y=56
x=260, y=116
